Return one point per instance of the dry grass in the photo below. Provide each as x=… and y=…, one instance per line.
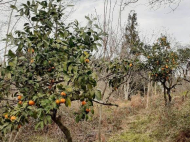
x=130, y=121
x=157, y=123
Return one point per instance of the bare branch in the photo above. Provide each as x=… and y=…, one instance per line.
x=1, y=2
x=106, y=104
x=8, y=32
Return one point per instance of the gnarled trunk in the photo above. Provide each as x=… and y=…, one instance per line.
x=169, y=95
x=167, y=92
x=63, y=128
x=165, y=97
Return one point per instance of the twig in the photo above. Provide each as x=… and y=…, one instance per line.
x=109, y=95
x=16, y=135
x=15, y=24
x=105, y=104
x=6, y=2
x=8, y=32
x=11, y=137
x=186, y=80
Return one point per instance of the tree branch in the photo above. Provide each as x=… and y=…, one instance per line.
x=186, y=80
x=5, y=52
x=1, y=2
x=106, y=104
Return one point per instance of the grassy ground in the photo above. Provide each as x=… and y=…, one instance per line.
x=130, y=122
x=157, y=124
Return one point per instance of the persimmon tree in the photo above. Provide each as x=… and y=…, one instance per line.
x=118, y=69
x=114, y=73
x=184, y=56
x=49, y=68
x=163, y=64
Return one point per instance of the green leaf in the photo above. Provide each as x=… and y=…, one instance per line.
x=11, y=64
x=40, y=124
x=34, y=19
x=11, y=54
x=98, y=95
x=82, y=59
x=13, y=7
x=94, y=75
x=87, y=18
x=25, y=104
x=48, y=118
x=92, y=111
x=69, y=89
x=70, y=68
x=54, y=105
x=68, y=102
x=22, y=58
x=28, y=3
x=65, y=66
x=66, y=78
x=77, y=119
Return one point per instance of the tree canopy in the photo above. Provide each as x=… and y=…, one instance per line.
x=50, y=67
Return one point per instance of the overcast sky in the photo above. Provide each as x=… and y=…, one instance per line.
x=175, y=23
x=151, y=22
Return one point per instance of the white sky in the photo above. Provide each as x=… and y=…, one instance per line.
x=151, y=22
x=175, y=23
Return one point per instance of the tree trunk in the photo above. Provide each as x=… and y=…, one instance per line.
x=147, y=97
x=151, y=88
x=155, y=88
x=100, y=114
x=144, y=90
x=169, y=95
x=99, y=124
x=126, y=89
x=64, y=129
x=103, y=93
x=148, y=93
x=165, y=98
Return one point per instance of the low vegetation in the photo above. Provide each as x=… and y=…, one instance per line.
x=130, y=121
